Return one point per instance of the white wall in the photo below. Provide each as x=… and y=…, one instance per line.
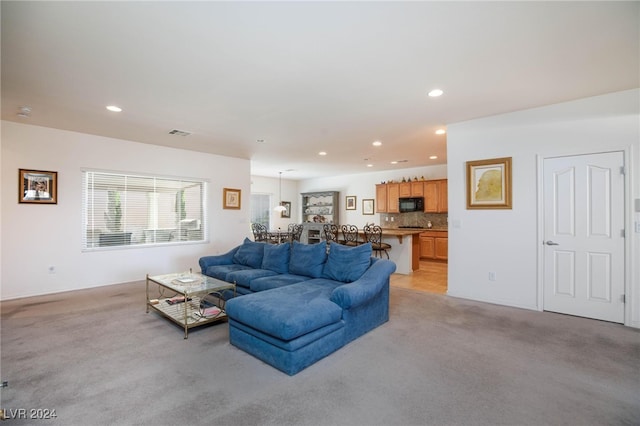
x=363, y=186
x=506, y=241
x=34, y=237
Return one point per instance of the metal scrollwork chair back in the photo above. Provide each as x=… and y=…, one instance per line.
x=373, y=235
x=259, y=232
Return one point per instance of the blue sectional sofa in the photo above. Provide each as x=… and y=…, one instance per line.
x=297, y=303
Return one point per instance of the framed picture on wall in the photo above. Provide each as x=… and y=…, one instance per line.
x=231, y=198
x=351, y=202
x=489, y=184
x=367, y=206
x=286, y=213
x=37, y=187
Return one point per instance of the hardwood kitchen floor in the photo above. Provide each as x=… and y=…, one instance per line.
x=431, y=277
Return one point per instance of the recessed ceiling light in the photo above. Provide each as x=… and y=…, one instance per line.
x=377, y=143
x=322, y=153
x=435, y=93
x=369, y=165
x=441, y=132
x=114, y=108
x=394, y=162
x=433, y=157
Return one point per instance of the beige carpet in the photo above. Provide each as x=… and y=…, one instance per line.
x=96, y=358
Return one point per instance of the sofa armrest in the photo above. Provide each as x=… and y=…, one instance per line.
x=353, y=294
x=220, y=259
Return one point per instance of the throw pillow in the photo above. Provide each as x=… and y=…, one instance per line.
x=347, y=264
x=276, y=258
x=250, y=254
x=308, y=259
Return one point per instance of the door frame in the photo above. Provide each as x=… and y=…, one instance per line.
x=628, y=226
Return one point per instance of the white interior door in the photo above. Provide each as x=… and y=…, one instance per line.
x=584, y=236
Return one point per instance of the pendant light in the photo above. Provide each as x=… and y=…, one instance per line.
x=280, y=208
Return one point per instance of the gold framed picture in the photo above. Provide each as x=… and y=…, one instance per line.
x=37, y=187
x=367, y=206
x=351, y=202
x=231, y=198
x=489, y=184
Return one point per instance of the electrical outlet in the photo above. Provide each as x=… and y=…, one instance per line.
x=492, y=276
x=392, y=218
x=386, y=219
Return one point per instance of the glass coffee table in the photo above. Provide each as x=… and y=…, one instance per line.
x=189, y=299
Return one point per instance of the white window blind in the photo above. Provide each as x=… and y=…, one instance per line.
x=261, y=209
x=125, y=210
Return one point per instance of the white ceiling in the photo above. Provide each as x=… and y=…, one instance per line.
x=306, y=76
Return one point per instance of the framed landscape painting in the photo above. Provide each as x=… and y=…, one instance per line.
x=37, y=187
x=489, y=184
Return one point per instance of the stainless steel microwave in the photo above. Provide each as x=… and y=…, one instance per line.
x=414, y=204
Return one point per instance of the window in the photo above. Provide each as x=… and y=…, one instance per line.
x=127, y=210
x=260, y=209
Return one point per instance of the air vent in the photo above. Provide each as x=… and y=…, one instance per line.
x=179, y=132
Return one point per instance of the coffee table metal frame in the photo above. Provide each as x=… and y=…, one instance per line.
x=195, y=288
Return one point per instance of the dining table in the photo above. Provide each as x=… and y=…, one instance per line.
x=278, y=236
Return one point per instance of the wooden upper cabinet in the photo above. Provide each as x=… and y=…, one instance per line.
x=443, y=196
x=405, y=189
x=431, y=196
x=393, y=193
x=435, y=196
x=417, y=189
x=381, y=198
x=433, y=191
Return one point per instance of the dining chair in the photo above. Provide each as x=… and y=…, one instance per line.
x=373, y=235
x=330, y=233
x=295, y=231
x=349, y=235
x=260, y=233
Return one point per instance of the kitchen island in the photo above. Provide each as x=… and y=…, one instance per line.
x=405, y=247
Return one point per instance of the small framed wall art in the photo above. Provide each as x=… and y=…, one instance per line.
x=489, y=184
x=37, y=187
x=351, y=202
x=286, y=213
x=231, y=198
x=367, y=206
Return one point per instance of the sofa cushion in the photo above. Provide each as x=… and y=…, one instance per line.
x=276, y=258
x=346, y=263
x=288, y=312
x=276, y=281
x=250, y=254
x=307, y=259
x=221, y=271
x=244, y=277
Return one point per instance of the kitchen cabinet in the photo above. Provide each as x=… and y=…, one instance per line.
x=393, y=193
x=434, y=245
x=435, y=196
x=443, y=196
x=417, y=189
x=434, y=193
x=381, y=198
x=411, y=189
x=320, y=207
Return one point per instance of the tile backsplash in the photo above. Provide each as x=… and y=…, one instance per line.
x=416, y=219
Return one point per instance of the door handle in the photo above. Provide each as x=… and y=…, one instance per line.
x=551, y=243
